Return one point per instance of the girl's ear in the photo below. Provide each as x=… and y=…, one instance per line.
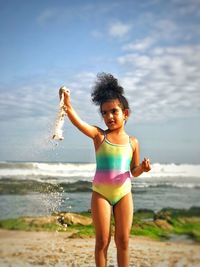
x=126, y=113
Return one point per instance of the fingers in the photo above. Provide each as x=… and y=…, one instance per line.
x=146, y=164
x=64, y=90
x=65, y=108
x=147, y=160
x=67, y=92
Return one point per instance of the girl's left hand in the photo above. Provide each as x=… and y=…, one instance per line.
x=146, y=166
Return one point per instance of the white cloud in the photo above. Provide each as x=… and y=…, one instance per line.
x=139, y=45
x=63, y=13
x=97, y=34
x=38, y=98
x=185, y=7
x=164, y=83
x=119, y=29
x=47, y=15
x=166, y=29
x=26, y=102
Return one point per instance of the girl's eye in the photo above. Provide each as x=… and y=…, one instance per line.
x=114, y=111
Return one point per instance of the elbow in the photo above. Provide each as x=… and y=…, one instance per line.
x=134, y=173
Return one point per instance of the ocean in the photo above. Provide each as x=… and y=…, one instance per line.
x=37, y=188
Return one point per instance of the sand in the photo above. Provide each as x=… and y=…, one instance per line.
x=20, y=248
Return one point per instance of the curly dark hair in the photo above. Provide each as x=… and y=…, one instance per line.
x=106, y=89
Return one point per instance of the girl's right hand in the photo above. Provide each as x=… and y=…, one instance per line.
x=146, y=165
x=66, y=96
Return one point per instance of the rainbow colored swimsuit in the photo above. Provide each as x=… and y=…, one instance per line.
x=112, y=178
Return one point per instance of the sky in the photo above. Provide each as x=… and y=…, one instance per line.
x=151, y=46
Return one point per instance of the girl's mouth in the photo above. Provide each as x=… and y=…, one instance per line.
x=111, y=122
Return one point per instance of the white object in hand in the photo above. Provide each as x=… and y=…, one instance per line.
x=58, y=128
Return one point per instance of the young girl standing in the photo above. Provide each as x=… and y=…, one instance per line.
x=117, y=156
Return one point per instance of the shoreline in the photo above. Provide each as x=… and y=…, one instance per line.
x=166, y=225
x=168, y=238
x=20, y=248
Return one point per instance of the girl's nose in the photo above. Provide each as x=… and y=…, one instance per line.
x=109, y=115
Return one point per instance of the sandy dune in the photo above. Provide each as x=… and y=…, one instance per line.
x=19, y=248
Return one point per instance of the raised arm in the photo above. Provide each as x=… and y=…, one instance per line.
x=87, y=129
x=138, y=168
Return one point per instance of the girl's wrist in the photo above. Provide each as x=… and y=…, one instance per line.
x=141, y=167
x=67, y=105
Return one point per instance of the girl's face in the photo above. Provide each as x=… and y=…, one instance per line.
x=113, y=115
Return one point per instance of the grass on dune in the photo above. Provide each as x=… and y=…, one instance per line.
x=159, y=226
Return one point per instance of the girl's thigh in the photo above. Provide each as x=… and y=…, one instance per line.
x=123, y=214
x=101, y=214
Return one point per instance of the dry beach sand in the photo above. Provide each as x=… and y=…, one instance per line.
x=20, y=248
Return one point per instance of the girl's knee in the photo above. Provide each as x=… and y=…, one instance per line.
x=122, y=242
x=102, y=242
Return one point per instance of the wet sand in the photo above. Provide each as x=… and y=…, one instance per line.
x=23, y=249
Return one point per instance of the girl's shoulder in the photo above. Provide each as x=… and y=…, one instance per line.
x=99, y=130
x=134, y=142
x=133, y=139
x=100, y=133
x=98, y=140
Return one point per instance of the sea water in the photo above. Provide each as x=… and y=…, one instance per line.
x=38, y=188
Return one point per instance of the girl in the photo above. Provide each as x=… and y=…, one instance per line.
x=117, y=155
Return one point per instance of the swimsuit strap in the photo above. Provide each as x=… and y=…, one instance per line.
x=129, y=139
x=130, y=142
x=104, y=137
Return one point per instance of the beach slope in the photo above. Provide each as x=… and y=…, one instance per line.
x=22, y=248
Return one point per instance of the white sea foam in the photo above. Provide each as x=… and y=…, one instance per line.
x=173, y=170
x=86, y=170
x=166, y=185
x=65, y=172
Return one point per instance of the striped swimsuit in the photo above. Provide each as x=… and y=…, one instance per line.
x=112, y=178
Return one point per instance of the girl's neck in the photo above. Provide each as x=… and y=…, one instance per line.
x=118, y=136
x=116, y=132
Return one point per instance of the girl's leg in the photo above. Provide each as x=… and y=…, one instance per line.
x=101, y=215
x=123, y=214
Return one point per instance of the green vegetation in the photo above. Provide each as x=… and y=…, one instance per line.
x=22, y=224
x=161, y=225
x=82, y=231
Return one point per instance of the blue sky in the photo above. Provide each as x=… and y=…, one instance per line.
x=151, y=46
